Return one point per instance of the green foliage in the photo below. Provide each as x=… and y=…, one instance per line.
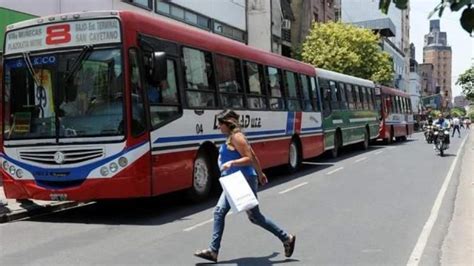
x=459, y=112
x=466, y=81
x=467, y=16
x=347, y=49
x=434, y=113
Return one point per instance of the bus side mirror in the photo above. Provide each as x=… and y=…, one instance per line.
x=157, y=70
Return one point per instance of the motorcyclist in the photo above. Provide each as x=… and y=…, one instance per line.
x=442, y=124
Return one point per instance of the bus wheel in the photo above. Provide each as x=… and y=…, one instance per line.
x=365, y=143
x=337, y=145
x=294, y=157
x=202, y=178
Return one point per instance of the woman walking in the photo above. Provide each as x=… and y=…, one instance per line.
x=237, y=155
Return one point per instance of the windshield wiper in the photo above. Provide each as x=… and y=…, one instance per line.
x=85, y=53
x=31, y=70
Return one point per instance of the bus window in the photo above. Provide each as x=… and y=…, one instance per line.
x=393, y=107
x=326, y=95
x=350, y=96
x=274, y=86
x=361, y=98
x=293, y=101
x=342, y=91
x=229, y=82
x=335, y=95
x=138, y=114
x=305, y=89
x=314, y=94
x=254, y=80
x=200, y=91
x=355, y=95
x=163, y=98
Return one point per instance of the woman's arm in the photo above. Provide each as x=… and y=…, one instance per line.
x=248, y=156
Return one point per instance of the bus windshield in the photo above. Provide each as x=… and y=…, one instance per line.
x=64, y=95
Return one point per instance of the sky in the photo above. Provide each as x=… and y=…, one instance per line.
x=462, y=45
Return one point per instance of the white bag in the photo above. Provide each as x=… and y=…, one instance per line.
x=238, y=192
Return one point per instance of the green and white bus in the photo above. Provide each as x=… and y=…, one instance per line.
x=350, y=114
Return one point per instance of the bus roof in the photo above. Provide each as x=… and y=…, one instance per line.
x=392, y=91
x=336, y=76
x=175, y=31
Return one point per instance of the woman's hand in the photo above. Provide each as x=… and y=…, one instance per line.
x=227, y=165
x=262, y=178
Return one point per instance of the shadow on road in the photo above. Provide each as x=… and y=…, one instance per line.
x=253, y=261
x=175, y=207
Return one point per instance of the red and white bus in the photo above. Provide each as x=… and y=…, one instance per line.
x=396, y=115
x=119, y=104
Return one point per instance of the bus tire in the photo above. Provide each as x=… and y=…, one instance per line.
x=294, y=156
x=337, y=145
x=203, y=177
x=365, y=142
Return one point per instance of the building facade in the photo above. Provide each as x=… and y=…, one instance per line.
x=223, y=17
x=393, y=27
x=415, y=83
x=437, y=52
x=461, y=101
x=305, y=13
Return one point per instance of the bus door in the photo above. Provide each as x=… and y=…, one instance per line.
x=163, y=107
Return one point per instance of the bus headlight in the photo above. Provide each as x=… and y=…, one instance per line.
x=104, y=171
x=122, y=161
x=5, y=165
x=12, y=169
x=19, y=173
x=113, y=167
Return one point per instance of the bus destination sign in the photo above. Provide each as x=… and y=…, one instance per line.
x=67, y=34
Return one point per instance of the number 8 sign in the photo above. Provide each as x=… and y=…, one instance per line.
x=58, y=34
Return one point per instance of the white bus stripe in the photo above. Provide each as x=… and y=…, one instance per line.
x=417, y=252
x=292, y=188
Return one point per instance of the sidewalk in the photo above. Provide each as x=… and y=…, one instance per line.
x=11, y=209
x=458, y=245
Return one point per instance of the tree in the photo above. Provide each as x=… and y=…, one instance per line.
x=457, y=111
x=347, y=49
x=467, y=16
x=466, y=81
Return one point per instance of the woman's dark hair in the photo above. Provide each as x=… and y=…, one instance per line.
x=230, y=118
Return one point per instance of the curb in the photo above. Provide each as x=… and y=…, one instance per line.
x=35, y=210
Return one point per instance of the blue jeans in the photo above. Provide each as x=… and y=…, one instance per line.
x=254, y=215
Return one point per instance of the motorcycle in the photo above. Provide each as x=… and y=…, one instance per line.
x=429, y=134
x=441, y=139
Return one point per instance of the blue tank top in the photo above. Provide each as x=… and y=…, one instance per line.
x=226, y=155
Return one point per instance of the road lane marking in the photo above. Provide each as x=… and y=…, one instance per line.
x=391, y=148
x=197, y=225
x=292, y=188
x=378, y=152
x=335, y=170
x=314, y=163
x=361, y=159
x=417, y=252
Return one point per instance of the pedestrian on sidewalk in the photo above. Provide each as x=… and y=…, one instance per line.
x=456, y=123
x=235, y=155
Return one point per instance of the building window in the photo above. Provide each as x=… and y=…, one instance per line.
x=142, y=3
x=163, y=7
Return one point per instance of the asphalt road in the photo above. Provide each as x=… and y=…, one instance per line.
x=365, y=208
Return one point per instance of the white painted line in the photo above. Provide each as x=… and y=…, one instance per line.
x=378, y=152
x=335, y=170
x=390, y=148
x=425, y=233
x=197, y=225
x=292, y=188
x=361, y=159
